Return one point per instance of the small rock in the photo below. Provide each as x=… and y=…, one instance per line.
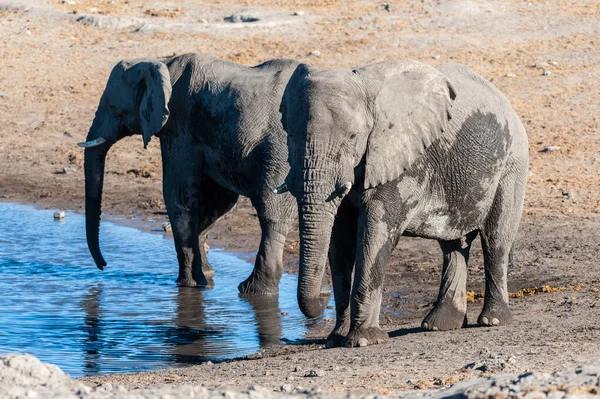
x=28, y=32
x=203, y=21
x=238, y=18
x=298, y=13
x=386, y=7
x=546, y=73
x=268, y=373
x=315, y=53
x=510, y=75
x=540, y=65
x=209, y=363
x=69, y=2
x=297, y=369
x=59, y=215
x=93, y=10
x=284, y=313
x=436, y=57
x=167, y=227
x=550, y=148
x=287, y=388
x=553, y=63
x=315, y=373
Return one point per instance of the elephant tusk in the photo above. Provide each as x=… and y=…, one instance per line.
x=344, y=189
x=92, y=143
x=281, y=189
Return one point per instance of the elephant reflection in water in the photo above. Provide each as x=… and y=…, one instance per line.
x=189, y=336
x=92, y=345
x=194, y=339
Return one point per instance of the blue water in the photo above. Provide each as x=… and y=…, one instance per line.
x=56, y=305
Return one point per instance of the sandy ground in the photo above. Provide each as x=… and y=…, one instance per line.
x=544, y=56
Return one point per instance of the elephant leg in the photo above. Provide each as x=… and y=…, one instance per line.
x=342, y=254
x=450, y=309
x=213, y=202
x=184, y=222
x=497, y=240
x=374, y=246
x=268, y=267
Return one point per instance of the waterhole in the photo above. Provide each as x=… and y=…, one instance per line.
x=55, y=304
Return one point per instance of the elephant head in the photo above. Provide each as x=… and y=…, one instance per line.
x=354, y=128
x=135, y=101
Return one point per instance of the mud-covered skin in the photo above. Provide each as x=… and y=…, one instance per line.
x=221, y=137
x=468, y=179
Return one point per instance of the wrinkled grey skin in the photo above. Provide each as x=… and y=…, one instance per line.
x=429, y=153
x=221, y=136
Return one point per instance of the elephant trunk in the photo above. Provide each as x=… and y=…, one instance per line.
x=315, y=234
x=316, y=217
x=95, y=158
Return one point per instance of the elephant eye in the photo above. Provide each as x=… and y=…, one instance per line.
x=352, y=136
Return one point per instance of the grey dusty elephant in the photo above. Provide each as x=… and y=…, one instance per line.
x=399, y=148
x=221, y=136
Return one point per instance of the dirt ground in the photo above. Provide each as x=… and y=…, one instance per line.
x=544, y=56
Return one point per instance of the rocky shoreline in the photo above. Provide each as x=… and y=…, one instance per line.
x=24, y=376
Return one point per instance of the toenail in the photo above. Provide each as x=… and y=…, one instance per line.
x=363, y=342
x=435, y=328
x=425, y=326
x=485, y=321
x=495, y=322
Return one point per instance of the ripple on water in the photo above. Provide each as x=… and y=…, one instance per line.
x=57, y=306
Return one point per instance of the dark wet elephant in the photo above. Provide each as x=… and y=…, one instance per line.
x=402, y=148
x=221, y=136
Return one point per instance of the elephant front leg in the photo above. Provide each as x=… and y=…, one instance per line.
x=450, y=309
x=342, y=254
x=367, y=290
x=268, y=267
x=183, y=214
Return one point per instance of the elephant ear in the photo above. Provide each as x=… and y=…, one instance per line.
x=411, y=107
x=153, y=84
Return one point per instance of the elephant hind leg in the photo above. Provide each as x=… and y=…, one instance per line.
x=497, y=241
x=214, y=201
x=450, y=309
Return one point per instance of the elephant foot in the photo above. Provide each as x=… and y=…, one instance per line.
x=444, y=316
x=365, y=337
x=495, y=313
x=256, y=286
x=337, y=336
x=190, y=282
x=208, y=271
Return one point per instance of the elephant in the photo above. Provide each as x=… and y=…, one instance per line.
x=220, y=136
x=401, y=148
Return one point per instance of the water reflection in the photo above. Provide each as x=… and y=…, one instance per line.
x=132, y=316
x=92, y=344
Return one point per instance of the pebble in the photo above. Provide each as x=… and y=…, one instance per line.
x=315, y=53
x=297, y=369
x=541, y=64
x=167, y=227
x=546, y=73
x=284, y=313
x=298, y=13
x=436, y=57
x=510, y=75
x=287, y=388
x=550, y=148
x=69, y=2
x=315, y=373
x=59, y=215
x=237, y=18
